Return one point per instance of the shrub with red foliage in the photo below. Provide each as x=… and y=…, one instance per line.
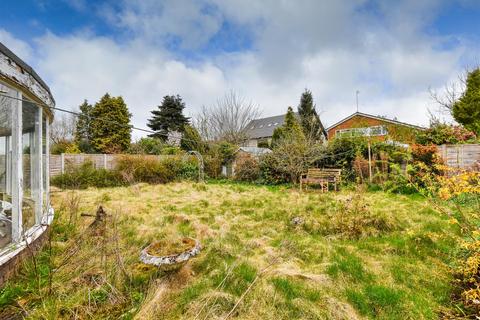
x=425, y=153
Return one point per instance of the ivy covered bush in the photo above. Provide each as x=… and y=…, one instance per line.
x=269, y=174
x=441, y=133
x=247, y=169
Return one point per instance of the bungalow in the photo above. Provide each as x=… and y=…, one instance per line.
x=362, y=124
x=259, y=132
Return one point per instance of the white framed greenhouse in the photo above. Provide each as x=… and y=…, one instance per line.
x=25, y=118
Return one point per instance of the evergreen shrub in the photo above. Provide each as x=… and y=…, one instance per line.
x=86, y=175
x=129, y=169
x=247, y=169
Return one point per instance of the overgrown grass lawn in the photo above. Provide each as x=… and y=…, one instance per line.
x=281, y=254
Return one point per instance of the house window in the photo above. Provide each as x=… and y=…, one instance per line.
x=368, y=131
x=378, y=131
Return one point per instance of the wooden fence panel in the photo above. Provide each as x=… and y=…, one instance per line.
x=59, y=163
x=461, y=156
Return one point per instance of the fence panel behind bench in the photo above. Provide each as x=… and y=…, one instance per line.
x=461, y=156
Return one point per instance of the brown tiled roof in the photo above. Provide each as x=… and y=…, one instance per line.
x=377, y=118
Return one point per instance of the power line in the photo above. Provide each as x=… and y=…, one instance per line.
x=76, y=113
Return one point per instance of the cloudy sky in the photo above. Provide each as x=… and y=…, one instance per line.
x=268, y=51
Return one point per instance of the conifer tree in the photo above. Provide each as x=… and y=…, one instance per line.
x=466, y=110
x=83, y=131
x=169, y=117
x=310, y=121
x=291, y=129
x=110, y=125
x=192, y=141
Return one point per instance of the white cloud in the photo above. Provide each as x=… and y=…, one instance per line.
x=83, y=67
x=79, y=5
x=19, y=47
x=332, y=48
x=189, y=22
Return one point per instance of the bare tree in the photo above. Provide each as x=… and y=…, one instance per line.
x=293, y=155
x=227, y=119
x=452, y=91
x=63, y=128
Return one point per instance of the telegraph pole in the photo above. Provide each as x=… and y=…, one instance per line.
x=369, y=161
x=369, y=146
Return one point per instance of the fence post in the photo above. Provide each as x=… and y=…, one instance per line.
x=62, y=163
x=462, y=156
x=458, y=155
x=444, y=153
x=105, y=161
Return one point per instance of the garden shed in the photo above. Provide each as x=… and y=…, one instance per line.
x=228, y=170
x=25, y=118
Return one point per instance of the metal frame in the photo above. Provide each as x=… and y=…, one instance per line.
x=37, y=179
x=14, y=169
x=24, y=86
x=17, y=170
x=8, y=166
x=47, y=165
x=201, y=167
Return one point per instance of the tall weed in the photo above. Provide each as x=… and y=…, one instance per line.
x=352, y=218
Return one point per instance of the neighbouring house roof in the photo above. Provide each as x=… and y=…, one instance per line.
x=264, y=127
x=360, y=114
x=256, y=151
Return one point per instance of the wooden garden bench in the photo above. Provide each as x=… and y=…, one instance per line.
x=321, y=177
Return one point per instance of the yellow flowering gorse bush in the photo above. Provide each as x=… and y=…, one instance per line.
x=452, y=184
x=469, y=274
x=452, y=187
x=464, y=182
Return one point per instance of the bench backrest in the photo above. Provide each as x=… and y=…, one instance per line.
x=323, y=173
